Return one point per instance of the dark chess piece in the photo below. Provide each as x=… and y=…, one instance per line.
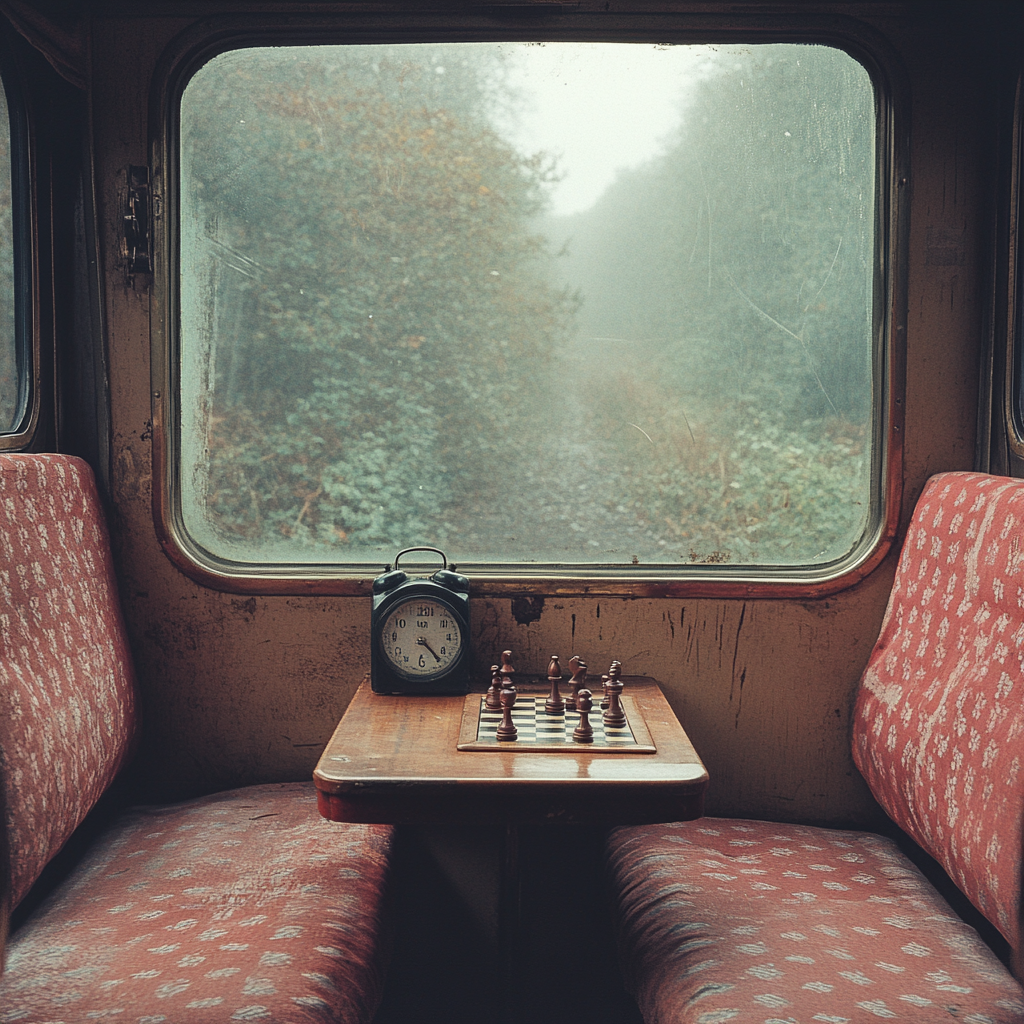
x=493, y=699
x=506, y=670
x=614, y=672
x=584, y=732
x=506, y=731
x=614, y=717
x=554, y=705
x=578, y=681
x=605, y=680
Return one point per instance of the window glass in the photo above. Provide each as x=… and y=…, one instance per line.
x=567, y=304
x=13, y=371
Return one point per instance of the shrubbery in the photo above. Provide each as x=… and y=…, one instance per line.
x=386, y=356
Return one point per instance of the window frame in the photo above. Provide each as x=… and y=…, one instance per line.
x=208, y=38
x=26, y=300
x=1013, y=374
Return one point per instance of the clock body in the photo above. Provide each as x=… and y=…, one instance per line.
x=420, y=634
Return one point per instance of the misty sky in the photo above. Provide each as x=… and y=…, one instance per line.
x=599, y=107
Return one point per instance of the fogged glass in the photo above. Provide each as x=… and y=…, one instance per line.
x=564, y=303
x=12, y=385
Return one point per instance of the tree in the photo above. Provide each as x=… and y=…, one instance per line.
x=362, y=242
x=734, y=272
x=752, y=233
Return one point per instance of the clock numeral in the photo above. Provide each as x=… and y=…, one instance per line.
x=443, y=651
x=422, y=663
x=424, y=610
x=401, y=623
x=444, y=625
x=422, y=623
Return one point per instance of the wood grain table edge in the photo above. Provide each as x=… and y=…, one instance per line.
x=394, y=760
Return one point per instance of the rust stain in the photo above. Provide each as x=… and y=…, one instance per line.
x=743, y=671
x=527, y=609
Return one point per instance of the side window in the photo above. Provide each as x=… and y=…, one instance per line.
x=1015, y=366
x=594, y=308
x=15, y=368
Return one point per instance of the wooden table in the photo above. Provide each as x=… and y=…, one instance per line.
x=394, y=759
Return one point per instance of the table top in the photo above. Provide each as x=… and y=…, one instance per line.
x=395, y=759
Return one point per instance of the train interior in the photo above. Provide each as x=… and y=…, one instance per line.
x=156, y=228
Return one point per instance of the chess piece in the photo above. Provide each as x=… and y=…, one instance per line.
x=506, y=731
x=614, y=672
x=578, y=681
x=493, y=700
x=605, y=680
x=584, y=732
x=507, y=671
x=614, y=717
x=554, y=705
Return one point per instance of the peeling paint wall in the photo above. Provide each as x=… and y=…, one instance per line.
x=240, y=689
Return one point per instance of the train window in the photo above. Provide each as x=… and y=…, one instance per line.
x=15, y=370
x=1015, y=376
x=577, y=308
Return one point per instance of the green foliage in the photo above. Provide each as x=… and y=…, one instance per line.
x=752, y=233
x=369, y=304
x=394, y=290
x=727, y=309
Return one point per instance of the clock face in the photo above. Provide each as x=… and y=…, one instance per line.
x=421, y=638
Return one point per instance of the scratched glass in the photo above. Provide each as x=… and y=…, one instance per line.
x=13, y=372
x=572, y=304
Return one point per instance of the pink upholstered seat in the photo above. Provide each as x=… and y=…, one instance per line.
x=239, y=906
x=244, y=905
x=755, y=921
x=67, y=690
x=939, y=725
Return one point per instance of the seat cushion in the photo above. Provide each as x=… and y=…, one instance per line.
x=244, y=905
x=939, y=719
x=753, y=921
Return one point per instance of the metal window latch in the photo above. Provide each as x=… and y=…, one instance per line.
x=136, y=244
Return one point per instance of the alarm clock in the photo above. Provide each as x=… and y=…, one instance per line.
x=419, y=630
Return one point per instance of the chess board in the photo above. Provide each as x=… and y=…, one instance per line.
x=541, y=732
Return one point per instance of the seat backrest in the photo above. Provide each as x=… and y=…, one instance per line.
x=939, y=716
x=67, y=688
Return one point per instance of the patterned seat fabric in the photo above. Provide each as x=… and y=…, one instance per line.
x=755, y=921
x=242, y=905
x=67, y=691
x=239, y=906
x=939, y=718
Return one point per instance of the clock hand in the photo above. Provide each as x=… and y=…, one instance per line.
x=422, y=641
